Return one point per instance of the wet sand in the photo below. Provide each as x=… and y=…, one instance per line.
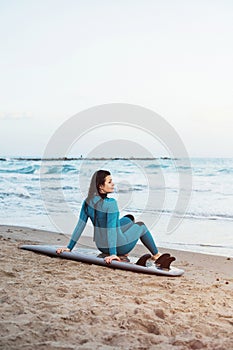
x=49, y=303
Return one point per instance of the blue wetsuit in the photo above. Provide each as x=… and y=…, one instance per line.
x=112, y=235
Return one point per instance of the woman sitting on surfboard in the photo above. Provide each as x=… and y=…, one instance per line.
x=114, y=237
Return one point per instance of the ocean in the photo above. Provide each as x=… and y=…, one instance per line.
x=47, y=194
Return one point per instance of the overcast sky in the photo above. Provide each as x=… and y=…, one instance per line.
x=59, y=57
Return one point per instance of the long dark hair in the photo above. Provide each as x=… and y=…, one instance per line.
x=98, y=179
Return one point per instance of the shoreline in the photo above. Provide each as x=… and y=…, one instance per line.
x=52, y=303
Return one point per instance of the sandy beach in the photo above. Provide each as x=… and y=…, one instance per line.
x=49, y=303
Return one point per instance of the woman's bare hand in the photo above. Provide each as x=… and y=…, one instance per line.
x=109, y=259
x=61, y=250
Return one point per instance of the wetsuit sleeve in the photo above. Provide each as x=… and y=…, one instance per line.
x=112, y=223
x=79, y=227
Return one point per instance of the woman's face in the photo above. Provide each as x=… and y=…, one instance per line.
x=108, y=186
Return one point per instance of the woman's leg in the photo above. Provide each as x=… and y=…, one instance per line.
x=147, y=239
x=132, y=232
x=126, y=248
x=126, y=222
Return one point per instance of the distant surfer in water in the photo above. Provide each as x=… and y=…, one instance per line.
x=114, y=237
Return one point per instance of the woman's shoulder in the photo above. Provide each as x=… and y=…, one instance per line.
x=110, y=200
x=107, y=202
x=111, y=204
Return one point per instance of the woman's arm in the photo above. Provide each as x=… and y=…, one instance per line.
x=77, y=231
x=112, y=224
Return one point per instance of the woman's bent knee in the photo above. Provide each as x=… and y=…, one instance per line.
x=130, y=216
x=139, y=223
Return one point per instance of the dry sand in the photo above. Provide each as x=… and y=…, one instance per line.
x=49, y=303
